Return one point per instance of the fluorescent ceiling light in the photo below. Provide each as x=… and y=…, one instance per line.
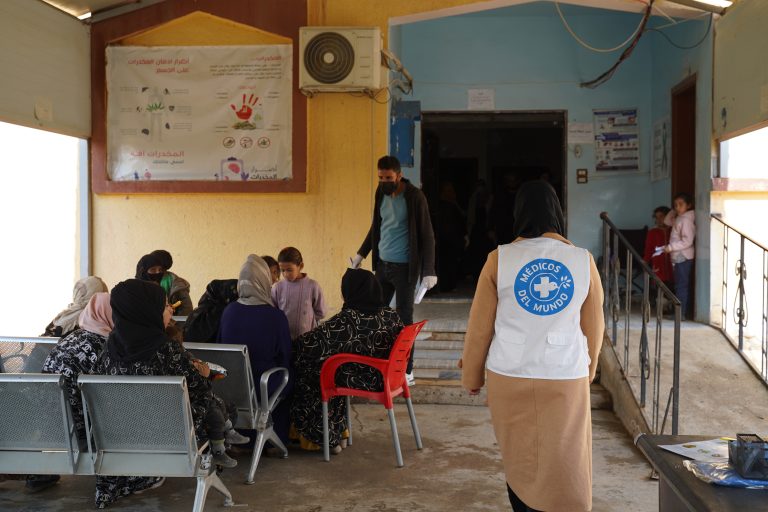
x=84, y=16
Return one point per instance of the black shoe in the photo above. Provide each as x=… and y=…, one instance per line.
x=37, y=483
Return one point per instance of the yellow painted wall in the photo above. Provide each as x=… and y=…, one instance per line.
x=210, y=235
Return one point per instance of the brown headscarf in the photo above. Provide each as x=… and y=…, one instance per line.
x=97, y=315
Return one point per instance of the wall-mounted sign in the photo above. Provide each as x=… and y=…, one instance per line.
x=662, y=150
x=219, y=113
x=617, y=140
x=481, y=99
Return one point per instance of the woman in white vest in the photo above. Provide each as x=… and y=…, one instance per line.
x=537, y=325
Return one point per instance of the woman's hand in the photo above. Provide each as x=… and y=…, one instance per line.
x=202, y=368
x=471, y=391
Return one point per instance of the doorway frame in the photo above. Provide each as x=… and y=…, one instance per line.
x=681, y=87
x=563, y=112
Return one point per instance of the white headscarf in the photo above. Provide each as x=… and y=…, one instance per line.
x=255, y=282
x=82, y=293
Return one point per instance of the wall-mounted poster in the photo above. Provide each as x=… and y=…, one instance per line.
x=220, y=113
x=617, y=141
x=662, y=150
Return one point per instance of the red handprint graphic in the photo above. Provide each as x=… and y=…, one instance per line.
x=246, y=110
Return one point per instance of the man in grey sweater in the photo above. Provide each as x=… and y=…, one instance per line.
x=401, y=239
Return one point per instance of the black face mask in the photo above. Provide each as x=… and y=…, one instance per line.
x=388, y=187
x=155, y=277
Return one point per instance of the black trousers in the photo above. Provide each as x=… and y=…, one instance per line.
x=517, y=503
x=394, y=280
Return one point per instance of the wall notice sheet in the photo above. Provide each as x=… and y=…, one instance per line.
x=617, y=146
x=220, y=113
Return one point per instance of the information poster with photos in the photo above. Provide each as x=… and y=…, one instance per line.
x=198, y=113
x=617, y=140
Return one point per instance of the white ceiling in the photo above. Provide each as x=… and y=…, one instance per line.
x=106, y=8
x=78, y=8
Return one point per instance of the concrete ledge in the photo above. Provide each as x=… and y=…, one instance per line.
x=625, y=406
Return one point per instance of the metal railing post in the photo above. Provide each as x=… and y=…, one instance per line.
x=676, y=372
x=613, y=242
x=741, y=271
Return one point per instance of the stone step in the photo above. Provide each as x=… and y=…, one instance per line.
x=437, y=353
x=436, y=363
x=441, y=335
x=431, y=344
x=446, y=390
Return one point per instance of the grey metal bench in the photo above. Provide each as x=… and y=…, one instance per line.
x=24, y=355
x=139, y=425
x=254, y=411
x=127, y=434
x=37, y=435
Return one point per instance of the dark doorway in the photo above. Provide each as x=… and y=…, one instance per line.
x=684, y=154
x=472, y=165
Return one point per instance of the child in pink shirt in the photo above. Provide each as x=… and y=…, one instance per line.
x=681, y=246
x=298, y=296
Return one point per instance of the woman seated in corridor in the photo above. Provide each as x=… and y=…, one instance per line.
x=66, y=321
x=254, y=321
x=79, y=352
x=364, y=327
x=155, y=267
x=138, y=345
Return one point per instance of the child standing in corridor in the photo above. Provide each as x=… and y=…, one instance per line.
x=298, y=296
x=680, y=248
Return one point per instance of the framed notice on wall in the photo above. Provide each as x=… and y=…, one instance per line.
x=617, y=140
x=199, y=113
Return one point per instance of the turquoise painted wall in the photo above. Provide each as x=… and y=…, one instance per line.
x=671, y=66
x=534, y=64
x=526, y=55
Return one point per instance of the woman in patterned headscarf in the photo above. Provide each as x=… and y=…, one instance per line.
x=364, y=327
x=66, y=321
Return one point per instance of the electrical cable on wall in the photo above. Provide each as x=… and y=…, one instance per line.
x=588, y=46
x=592, y=84
x=682, y=47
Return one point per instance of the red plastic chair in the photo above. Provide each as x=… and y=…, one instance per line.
x=393, y=370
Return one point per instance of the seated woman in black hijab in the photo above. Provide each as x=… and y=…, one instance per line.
x=364, y=327
x=155, y=267
x=138, y=345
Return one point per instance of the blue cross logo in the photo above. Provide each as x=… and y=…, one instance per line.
x=544, y=287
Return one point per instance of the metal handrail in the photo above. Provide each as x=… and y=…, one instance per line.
x=613, y=242
x=741, y=317
x=648, y=270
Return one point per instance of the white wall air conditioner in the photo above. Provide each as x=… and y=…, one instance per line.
x=340, y=59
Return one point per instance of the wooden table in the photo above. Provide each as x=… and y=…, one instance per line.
x=681, y=491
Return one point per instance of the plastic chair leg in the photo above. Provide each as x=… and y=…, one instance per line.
x=326, y=447
x=349, y=420
x=258, y=447
x=395, y=438
x=415, y=425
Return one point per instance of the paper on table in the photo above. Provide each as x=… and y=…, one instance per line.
x=711, y=450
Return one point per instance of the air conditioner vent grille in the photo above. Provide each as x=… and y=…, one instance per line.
x=329, y=57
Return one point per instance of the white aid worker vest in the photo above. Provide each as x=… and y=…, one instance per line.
x=542, y=284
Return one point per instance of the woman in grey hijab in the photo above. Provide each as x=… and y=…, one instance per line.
x=254, y=321
x=66, y=321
